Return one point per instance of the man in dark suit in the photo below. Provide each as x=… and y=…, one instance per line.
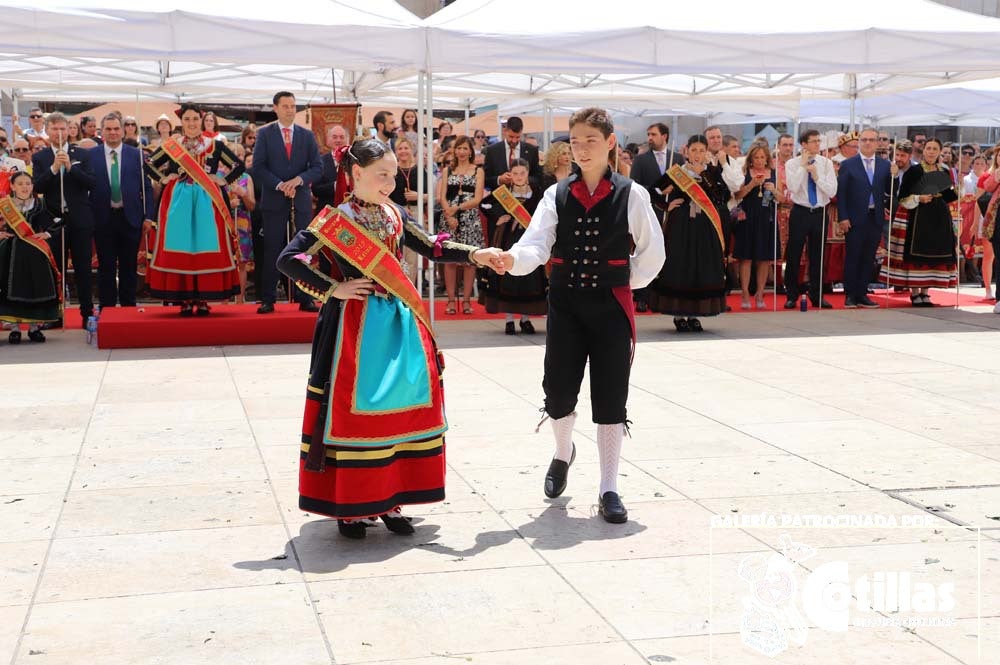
x=647, y=169
x=122, y=200
x=862, y=185
x=650, y=166
x=498, y=157
x=325, y=188
x=63, y=176
x=286, y=163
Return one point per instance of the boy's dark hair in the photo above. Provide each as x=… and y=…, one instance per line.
x=599, y=119
x=188, y=106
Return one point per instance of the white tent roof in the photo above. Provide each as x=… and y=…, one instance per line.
x=721, y=36
x=223, y=50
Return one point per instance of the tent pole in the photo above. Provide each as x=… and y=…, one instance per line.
x=959, y=183
x=468, y=104
x=421, y=180
x=429, y=101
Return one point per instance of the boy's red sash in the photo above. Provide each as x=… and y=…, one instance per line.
x=186, y=161
x=512, y=205
x=365, y=252
x=19, y=225
x=690, y=186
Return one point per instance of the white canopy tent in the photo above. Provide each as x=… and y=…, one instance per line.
x=185, y=49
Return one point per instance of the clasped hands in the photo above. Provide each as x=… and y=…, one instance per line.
x=288, y=187
x=495, y=259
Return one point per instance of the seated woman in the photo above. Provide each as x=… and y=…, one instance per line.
x=508, y=212
x=373, y=428
x=922, y=239
x=194, y=256
x=692, y=282
x=29, y=274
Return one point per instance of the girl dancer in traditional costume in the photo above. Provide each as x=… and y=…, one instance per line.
x=374, y=423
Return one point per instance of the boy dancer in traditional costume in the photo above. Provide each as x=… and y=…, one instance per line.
x=601, y=234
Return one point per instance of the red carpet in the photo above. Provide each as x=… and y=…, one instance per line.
x=154, y=326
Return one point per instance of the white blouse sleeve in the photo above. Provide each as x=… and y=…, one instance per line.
x=535, y=246
x=647, y=235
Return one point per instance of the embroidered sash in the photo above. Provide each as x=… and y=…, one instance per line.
x=186, y=161
x=512, y=205
x=20, y=226
x=690, y=186
x=361, y=249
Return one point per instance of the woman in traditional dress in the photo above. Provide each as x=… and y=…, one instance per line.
x=460, y=191
x=922, y=242
x=29, y=274
x=374, y=418
x=196, y=241
x=754, y=235
x=508, y=212
x=692, y=282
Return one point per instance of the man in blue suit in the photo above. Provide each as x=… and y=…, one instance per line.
x=286, y=163
x=862, y=185
x=121, y=200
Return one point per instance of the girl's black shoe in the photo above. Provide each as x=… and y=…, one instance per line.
x=14, y=337
x=355, y=530
x=36, y=336
x=398, y=524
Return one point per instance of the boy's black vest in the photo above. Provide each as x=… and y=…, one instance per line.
x=592, y=247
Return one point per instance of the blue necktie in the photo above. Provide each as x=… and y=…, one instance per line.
x=813, y=199
x=870, y=170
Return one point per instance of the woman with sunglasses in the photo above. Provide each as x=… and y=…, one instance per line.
x=132, y=136
x=479, y=145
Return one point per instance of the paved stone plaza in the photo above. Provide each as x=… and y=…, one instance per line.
x=148, y=506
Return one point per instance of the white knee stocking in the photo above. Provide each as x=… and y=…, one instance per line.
x=563, y=430
x=609, y=450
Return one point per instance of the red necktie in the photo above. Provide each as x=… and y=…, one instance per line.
x=510, y=158
x=288, y=141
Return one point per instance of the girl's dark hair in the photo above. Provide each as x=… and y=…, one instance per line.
x=402, y=120
x=934, y=140
x=697, y=138
x=188, y=106
x=520, y=162
x=363, y=152
x=17, y=174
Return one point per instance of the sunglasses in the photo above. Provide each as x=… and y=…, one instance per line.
x=130, y=124
x=21, y=150
x=968, y=154
x=35, y=117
